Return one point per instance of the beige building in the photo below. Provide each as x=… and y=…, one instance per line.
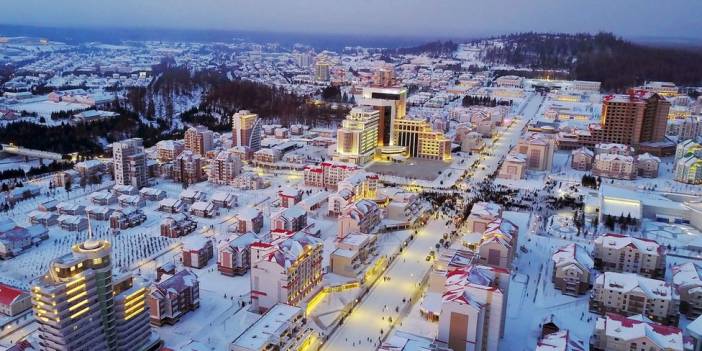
x=246, y=130
x=420, y=140
x=620, y=253
x=129, y=162
x=199, y=140
x=571, y=270
x=224, y=168
x=582, y=159
x=514, y=167
x=353, y=253
x=614, y=166
x=630, y=294
x=283, y=327
x=327, y=174
x=359, y=217
x=285, y=270
x=188, y=168
x=473, y=308
x=614, y=332
x=357, y=138
x=538, y=149
x=481, y=214
x=168, y=150
x=498, y=243
x=13, y=301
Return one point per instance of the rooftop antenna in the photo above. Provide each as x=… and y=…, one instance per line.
x=90, y=243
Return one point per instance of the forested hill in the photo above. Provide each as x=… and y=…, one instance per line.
x=615, y=62
x=433, y=49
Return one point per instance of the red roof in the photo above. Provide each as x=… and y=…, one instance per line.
x=8, y=294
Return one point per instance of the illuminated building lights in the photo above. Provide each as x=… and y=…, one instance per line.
x=80, y=313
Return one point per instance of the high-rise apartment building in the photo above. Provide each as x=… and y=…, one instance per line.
x=357, y=138
x=79, y=305
x=631, y=119
x=198, y=140
x=322, y=70
x=129, y=162
x=188, y=168
x=224, y=168
x=246, y=130
x=384, y=77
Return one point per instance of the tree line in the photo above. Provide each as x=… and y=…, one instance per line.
x=604, y=57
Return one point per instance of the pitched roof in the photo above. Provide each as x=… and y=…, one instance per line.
x=9, y=295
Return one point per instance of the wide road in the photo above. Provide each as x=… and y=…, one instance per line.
x=407, y=271
x=371, y=315
x=507, y=138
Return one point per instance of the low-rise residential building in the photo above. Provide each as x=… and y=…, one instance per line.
x=103, y=198
x=249, y=181
x=687, y=279
x=353, y=253
x=234, y=255
x=13, y=301
x=481, y=214
x=498, y=244
x=614, y=166
x=614, y=332
x=131, y=201
x=647, y=165
x=538, y=149
x=630, y=294
x=248, y=219
x=152, y=194
x=177, y=225
x=621, y=253
x=173, y=297
x=197, y=251
x=70, y=208
x=72, y=223
x=190, y=196
x=328, y=174
x=359, y=217
x=224, y=199
x=44, y=218
x=15, y=239
x=582, y=158
x=289, y=197
x=514, y=167
x=282, y=327
x=127, y=217
x=170, y=205
x=473, y=308
x=203, y=209
x=285, y=270
x=291, y=219
x=571, y=270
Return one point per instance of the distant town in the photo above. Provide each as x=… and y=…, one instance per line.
x=250, y=196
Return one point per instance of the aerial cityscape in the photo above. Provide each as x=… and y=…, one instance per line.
x=311, y=175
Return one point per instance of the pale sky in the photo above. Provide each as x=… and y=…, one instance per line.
x=441, y=18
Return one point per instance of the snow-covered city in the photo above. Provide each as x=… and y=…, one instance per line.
x=167, y=190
